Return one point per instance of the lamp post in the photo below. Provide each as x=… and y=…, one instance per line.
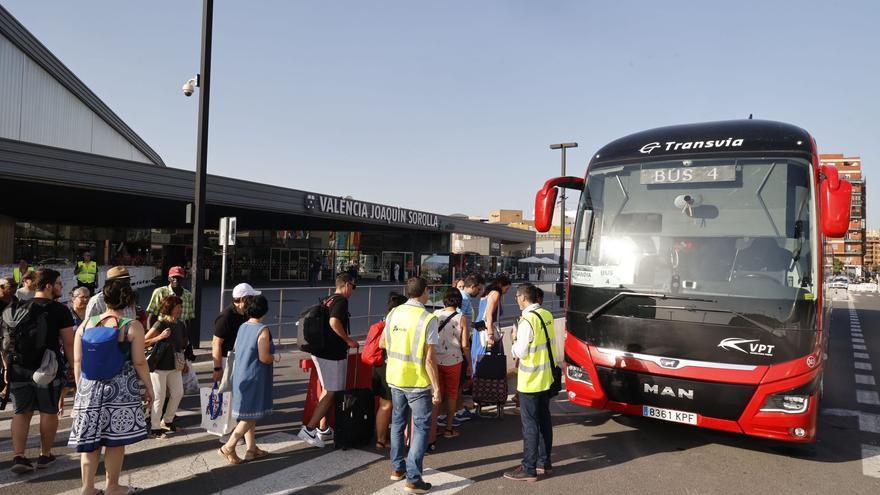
x=203, y=81
x=563, y=147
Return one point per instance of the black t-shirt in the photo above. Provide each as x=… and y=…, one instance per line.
x=334, y=347
x=177, y=340
x=226, y=327
x=57, y=318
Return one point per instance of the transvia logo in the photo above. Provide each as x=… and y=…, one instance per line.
x=648, y=148
x=755, y=347
x=311, y=201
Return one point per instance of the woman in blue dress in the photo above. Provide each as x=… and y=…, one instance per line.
x=251, y=381
x=489, y=313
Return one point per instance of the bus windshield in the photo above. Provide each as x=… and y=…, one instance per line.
x=736, y=228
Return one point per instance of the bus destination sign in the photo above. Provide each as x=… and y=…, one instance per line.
x=688, y=175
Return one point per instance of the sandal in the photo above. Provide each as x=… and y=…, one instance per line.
x=382, y=446
x=450, y=433
x=230, y=457
x=257, y=453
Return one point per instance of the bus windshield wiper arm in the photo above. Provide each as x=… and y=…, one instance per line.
x=741, y=315
x=622, y=295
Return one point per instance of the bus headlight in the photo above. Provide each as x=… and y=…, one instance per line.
x=577, y=374
x=786, y=403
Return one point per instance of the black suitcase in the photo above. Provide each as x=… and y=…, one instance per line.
x=490, y=382
x=355, y=416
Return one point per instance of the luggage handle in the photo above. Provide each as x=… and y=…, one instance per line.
x=357, y=365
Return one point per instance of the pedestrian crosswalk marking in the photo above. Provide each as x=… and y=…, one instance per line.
x=865, y=380
x=871, y=461
x=868, y=397
x=191, y=465
x=863, y=366
x=305, y=474
x=444, y=483
x=70, y=460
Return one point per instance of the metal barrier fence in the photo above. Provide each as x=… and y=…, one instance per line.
x=368, y=304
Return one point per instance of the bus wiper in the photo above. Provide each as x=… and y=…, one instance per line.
x=741, y=315
x=623, y=295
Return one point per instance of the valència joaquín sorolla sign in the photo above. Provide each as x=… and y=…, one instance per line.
x=358, y=209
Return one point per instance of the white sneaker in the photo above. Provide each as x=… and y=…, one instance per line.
x=326, y=435
x=311, y=437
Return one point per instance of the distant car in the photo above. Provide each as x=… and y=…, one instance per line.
x=54, y=261
x=839, y=283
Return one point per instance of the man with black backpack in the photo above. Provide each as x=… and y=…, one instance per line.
x=331, y=360
x=33, y=332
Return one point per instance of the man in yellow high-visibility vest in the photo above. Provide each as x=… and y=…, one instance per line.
x=533, y=340
x=19, y=271
x=86, y=272
x=411, y=332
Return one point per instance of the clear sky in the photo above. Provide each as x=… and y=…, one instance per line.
x=450, y=106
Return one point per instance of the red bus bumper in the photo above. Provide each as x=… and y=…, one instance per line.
x=584, y=388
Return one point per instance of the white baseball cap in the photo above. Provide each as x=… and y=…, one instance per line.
x=242, y=290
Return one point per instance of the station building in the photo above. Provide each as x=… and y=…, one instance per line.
x=76, y=177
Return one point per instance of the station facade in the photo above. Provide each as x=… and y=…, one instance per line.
x=77, y=178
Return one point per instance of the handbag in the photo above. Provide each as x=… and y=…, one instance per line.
x=226, y=381
x=179, y=361
x=556, y=386
x=157, y=352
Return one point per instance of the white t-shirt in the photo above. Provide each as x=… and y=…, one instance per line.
x=448, y=350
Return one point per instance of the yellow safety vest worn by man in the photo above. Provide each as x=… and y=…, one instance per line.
x=86, y=272
x=406, y=331
x=16, y=273
x=535, y=371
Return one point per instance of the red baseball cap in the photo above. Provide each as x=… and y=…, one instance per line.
x=176, y=271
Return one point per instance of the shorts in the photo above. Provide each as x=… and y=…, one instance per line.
x=27, y=397
x=449, y=380
x=380, y=384
x=331, y=373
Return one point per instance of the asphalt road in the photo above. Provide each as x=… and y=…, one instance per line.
x=594, y=451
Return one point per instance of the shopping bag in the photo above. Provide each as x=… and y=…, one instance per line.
x=190, y=380
x=216, y=411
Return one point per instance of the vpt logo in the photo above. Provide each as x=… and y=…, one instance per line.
x=648, y=148
x=755, y=347
x=311, y=201
x=669, y=363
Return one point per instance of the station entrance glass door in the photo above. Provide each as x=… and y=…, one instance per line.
x=398, y=265
x=288, y=264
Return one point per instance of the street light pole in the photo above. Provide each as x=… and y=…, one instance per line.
x=204, y=83
x=563, y=147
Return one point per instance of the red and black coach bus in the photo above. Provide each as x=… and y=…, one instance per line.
x=695, y=290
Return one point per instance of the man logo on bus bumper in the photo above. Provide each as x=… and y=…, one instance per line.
x=681, y=393
x=755, y=347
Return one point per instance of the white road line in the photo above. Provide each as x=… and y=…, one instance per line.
x=860, y=347
x=855, y=340
x=857, y=334
x=871, y=461
x=305, y=474
x=860, y=355
x=868, y=397
x=71, y=459
x=192, y=465
x=865, y=380
x=444, y=483
x=863, y=366
x=868, y=422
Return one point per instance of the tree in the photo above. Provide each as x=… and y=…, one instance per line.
x=837, y=266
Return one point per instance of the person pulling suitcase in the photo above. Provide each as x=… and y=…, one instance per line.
x=411, y=371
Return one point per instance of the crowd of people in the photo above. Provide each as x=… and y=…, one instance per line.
x=119, y=361
x=429, y=359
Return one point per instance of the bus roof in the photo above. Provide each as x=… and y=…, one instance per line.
x=724, y=137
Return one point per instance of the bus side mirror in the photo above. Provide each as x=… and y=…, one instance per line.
x=545, y=204
x=835, y=197
x=545, y=200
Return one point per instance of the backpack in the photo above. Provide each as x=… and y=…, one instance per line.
x=102, y=353
x=313, y=325
x=372, y=354
x=25, y=336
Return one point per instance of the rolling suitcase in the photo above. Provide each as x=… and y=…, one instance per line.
x=490, y=382
x=355, y=415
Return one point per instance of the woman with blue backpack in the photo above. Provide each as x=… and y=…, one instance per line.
x=113, y=381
